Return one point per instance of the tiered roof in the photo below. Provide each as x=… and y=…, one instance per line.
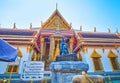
x=99, y=38
x=49, y=32
x=97, y=35
x=54, y=19
x=18, y=36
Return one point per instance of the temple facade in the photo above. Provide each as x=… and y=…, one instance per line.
x=99, y=49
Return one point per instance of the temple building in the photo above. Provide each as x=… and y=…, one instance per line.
x=99, y=49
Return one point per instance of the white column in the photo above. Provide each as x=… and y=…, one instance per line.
x=52, y=47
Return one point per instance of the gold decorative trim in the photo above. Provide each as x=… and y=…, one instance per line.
x=112, y=54
x=95, y=54
x=57, y=14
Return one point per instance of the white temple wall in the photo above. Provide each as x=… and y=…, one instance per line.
x=104, y=59
x=25, y=56
x=118, y=53
x=3, y=66
x=89, y=59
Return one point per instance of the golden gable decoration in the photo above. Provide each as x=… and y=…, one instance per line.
x=95, y=54
x=111, y=54
x=55, y=19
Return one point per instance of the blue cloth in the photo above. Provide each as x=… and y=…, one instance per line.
x=7, y=52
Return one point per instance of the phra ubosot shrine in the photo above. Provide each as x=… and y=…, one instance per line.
x=101, y=50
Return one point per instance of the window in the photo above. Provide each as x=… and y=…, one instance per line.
x=96, y=58
x=113, y=60
x=12, y=68
x=114, y=64
x=97, y=64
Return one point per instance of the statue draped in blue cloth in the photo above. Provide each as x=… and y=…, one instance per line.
x=63, y=47
x=64, y=53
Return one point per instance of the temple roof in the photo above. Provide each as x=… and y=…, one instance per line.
x=49, y=32
x=14, y=36
x=97, y=35
x=53, y=21
x=94, y=38
x=17, y=32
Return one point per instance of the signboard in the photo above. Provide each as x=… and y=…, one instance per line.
x=32, y=70
x=47, y=74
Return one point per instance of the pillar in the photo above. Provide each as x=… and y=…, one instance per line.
x=41, y=47
x=52, y=48
x=71, y=45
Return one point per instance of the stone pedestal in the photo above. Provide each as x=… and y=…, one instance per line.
x=63, y=71
x=68, y=57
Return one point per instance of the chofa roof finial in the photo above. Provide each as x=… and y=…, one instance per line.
x=56, y=6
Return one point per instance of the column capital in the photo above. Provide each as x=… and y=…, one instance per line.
x=71, y=40
x=42, y=39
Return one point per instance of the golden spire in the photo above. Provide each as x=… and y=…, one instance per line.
x=116, y=30
x=109, y=30
x=14, y=26
x=30, y=25
x=56, y=6
x=80, y=28
x=41, y=23
x=0, y=25
x=71, y=24
x=94, y=29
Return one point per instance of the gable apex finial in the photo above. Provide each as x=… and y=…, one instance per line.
x=56, y=5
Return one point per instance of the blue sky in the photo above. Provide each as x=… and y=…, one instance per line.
x=102, y=14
